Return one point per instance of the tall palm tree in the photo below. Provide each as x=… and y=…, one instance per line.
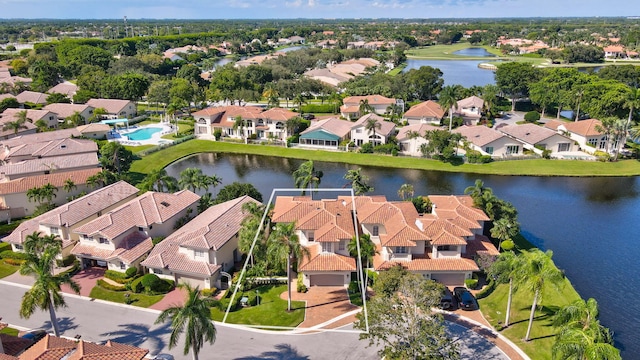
x=370, y=126
x=364, y=108
x=336, y=99
x=212, y=180
x=504, y=229
x=69, y=185
x=284, y=243
x=15, y=126
x=580, y=344
x=538, y=271
x=477, y=192
x=632, y=102
x=249, y=226
x=239, y=124
x=580, y=313
x=490, y=95
x=449, y=100
x=193, y=179
x=159, y=180
x=300, y=100
x=193, y=319
x=412, y=135
x=48, y=192
x=45, y=291
x=505, y=269
x=358, y=181
x=405, y=191
x=306, y=176
x=34, y=194
x=367, y=251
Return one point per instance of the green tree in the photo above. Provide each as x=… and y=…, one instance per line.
x=9, y=103
x=101, y=179
x=97, y=114
x=367, y=250
x=306, y=176
x=503, y=229
x=193, y=179
x=75, y=119
x=490, y=94
x=284, y=243
x=249, y=227
x=423, y=83
x=237, y=189
x=192, y=319
x=34, y=194
x=159, y=180
x=364, y=107
x=405, y=191
x=239, y=125
x=504, y=270
x=45, y=292
x=48, y=192
x=514, y=78
x=449, y=100
x=358, y=181
x=17, y=124
x=69, y=185
x=56, y=98
x=370, y=126
x=537, y=272
x=115, y=157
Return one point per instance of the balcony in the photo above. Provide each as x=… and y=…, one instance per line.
x=400, y=257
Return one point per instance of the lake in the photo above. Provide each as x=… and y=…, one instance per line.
x=590, y=223
x=474, y=51
x=454, y=72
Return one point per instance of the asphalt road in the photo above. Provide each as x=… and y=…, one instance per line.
x=98, y=321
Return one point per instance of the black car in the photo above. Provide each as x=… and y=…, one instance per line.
x=34, y=335
x=308, y=116
x=465, y=299
x=446, y=301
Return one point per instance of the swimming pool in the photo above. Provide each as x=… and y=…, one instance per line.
x=143, y=134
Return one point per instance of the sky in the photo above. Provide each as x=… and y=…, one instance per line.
x=286, y=9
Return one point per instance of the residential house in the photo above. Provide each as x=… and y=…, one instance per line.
x=587, y=135
x=64, y=219
x=48, y=165
x=327, y=76
x=325, y=134
x=490, y=142
x=32, y=97
x=201, y=251
x=325, y=228
x=120, y=238
x=6, y=96
x=56, y=348
x=33, y=116
x=115, y=108
x=537, y=138
x=380, y=134
x=614, y=52
x=14, y=202
x=428, y=112
x=64, y=111
x=272, y=124
x=337, y=73
x=412, y=137
x=96, y=131
x=14, y=80
x=224, y=118
x=65, y=88
x=470, y=109
x=40, y=137
x=378, y=103
x=31, y=151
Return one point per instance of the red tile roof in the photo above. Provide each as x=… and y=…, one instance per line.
x=57, y=179
x=427, y=264
x=324, y=261
x=130, y=249
x=425, y=109
x=587, y=127
x=52, y=164
x=479, y=135
x=372, y=99
x=55, y=348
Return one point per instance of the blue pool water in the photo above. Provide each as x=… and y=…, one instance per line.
x=143, y=134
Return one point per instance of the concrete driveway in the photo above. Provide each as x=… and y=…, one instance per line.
x=323, y=303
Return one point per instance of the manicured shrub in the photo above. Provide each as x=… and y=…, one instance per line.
x=106, y=285
x=67, y=261
x=136, y=285
x=131, y=272
x=475, y=157
x=300, y=286
x=532, y=116
x=354, y=287
x=208, y=292
x=318, y=108
x=471, y=283
x=151, y=282
x=8, y=254
x=366, y=148
x=15, y=262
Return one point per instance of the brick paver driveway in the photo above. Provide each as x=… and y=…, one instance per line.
x=176, y=297
x=323, y=303
x=87, y=279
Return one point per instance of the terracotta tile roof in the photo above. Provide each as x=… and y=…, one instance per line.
x=32, y=97
x=330, y=219
x=75, y=211
x=278, y=114
x=403, y=133
x=471, y=101
x=224, y=115
x=386, y=127
x=55, y=348
x=584, y=127
x=66, y=110
x=6, y=96
x=461, y=204
x=210, y=230
x=14, y=345
x=8, y=357
x=58, y=147
x=481, y=245
x=349, y=109
x=323, y=261
x=12, y=115
x=65, y=88
x=53, y=163
x=479, y=135
x=93, y=128
x=145, y=210
x=529, y=133
x=113, y=106
x=614, y=48
x=332, y=125
x=41, y=137
x=425, y=109
x=427, y=264
x=553, y=124
x=57, y=179
x=128, y=250
x=372, y=99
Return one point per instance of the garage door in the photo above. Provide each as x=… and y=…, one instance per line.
x=326, y=280
x=449, y=279
x=191, y=281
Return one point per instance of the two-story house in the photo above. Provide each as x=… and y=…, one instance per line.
x=589, y=135
x=428, y=112
x=63, y=220
x=199, y=252
x=412, y=137
x=470, y=109
x=264, y=125
x=120, y=238
x=116, y=108
x=377, y=135
x=350, y=108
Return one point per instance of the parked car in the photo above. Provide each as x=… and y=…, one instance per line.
x=308, y=116
x=446, y=301
x=466, y=300
x=34, y=335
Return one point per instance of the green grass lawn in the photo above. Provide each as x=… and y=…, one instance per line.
x=182, y=128
x=135, y=149
x=398, y=69
x=9, y=331
x=140, y=300
x=6, y=269
x=272, y=310
x=536, y=167
x=4, y=246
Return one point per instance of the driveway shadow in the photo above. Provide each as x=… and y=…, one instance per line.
x=282, y=352
x=137, y=334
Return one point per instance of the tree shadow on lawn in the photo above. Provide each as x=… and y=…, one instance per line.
x=137, y=334
x=64, y=324
x=547, y=314
x=283, y=352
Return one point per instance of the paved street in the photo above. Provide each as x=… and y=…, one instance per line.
x=98, y=321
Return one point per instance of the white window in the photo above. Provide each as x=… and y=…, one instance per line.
x=327, y=247
x=489, y=150
x=513, y=149
x=103, y=240
x=401, y=250
x=358, y=131
x=446, y=248
x=341, y=245
x=199, y=253
x=593, y=142
x=18, y=246
x=376, y=230
x=563, y=147
x=122, y=266
x=55, y=231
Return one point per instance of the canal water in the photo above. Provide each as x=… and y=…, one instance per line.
x=590, y=223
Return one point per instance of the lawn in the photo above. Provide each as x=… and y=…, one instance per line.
x=272, y=310
x=182, y=128
x=9, y=331
x=6, y=269
x=135, y=149
x=536, y=167
x=140, y=300
x=446, y=52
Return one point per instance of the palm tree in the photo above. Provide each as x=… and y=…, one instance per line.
x=405, y=191
x=193, y=179
x=69, y=185
x=538, y=270
x=336, y=99
x=489, y=95
x=632, y=102
x=193, y=319
x=504, y=229
x=45, y=291
x=239, y=124
x=75, y=119
x=101, y=179
x=370, y=126
x=283, y=243
x=367, y=251
x=449, y=100
x=48, y=192
x=14, y=125
x=358, y=181
x=477, y=192
x=365, y=107
x=412, y=135
x=306, y=176
x=504, y=269
x=299, y=99
x=159, y=180
x=249, y=226
x=34, y=194
x=212, y=180
x=97, y=114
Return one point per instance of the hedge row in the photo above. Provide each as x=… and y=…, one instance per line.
x=8, y=254
x=106, y=285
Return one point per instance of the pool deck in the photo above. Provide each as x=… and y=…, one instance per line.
x=156, y=139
